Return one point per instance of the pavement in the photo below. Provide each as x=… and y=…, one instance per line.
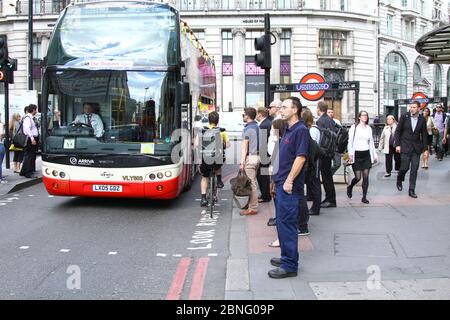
x=14, y=182
x=394, y=248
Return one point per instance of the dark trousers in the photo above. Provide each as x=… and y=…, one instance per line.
x=287, y=207
x=29, y=159
x=315, y=191
x=303, y=216
x=264, y=182
x=409, y=160
x=397, y=160
x=327, y=180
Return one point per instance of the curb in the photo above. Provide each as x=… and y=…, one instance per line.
x=25, y=184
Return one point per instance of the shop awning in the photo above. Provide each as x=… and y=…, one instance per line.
x=436, y=45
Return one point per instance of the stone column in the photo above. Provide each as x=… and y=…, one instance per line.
x=238, y=69
x=276, y=52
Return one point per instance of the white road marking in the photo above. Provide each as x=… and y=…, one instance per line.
x=198, y=199
x=212, y=254
x=24, y=247
x=2, y=204
x=224, y=199
x=177, y=255
x=31, y=195
x=51, y=196
x=10, y=199
x=64, y=250
x=161, y=255
x=112, y=253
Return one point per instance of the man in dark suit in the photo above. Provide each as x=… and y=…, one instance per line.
x=265, y=125
x=325, y=122
x=410, y=141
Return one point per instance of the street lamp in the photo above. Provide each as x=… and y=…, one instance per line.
x=30, y=44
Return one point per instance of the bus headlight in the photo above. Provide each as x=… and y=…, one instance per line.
x=152, y=176
x=160, y=175
x=168, y=174
x=55, y=173
x=62, y=175
x=47, y=171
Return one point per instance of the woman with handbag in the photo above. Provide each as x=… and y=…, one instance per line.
x=14, y=125
x=386, y=145
x=362, y=152
x=432, y=130
x=2, y=149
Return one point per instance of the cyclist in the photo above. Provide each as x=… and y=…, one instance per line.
x=206, y=169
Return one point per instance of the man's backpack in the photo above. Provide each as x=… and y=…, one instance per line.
x=327, y=144
x=212, y=146
x=313, y=158
x=341, y=139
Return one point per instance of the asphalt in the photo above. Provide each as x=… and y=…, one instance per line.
x=394, y=248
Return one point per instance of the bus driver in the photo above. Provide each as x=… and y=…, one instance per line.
x=91, y=119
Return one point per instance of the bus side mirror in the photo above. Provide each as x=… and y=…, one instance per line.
x=183, y=92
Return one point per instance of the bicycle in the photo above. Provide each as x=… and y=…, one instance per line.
x=212, y=191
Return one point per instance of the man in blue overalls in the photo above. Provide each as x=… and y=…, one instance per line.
x=289, y=183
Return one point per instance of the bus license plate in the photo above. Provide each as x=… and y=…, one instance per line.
x=106, y=188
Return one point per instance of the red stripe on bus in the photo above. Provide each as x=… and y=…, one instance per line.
x=199, y=279
x=178, y=281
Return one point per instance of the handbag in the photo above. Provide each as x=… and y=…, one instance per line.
x=12, y=147
x=20, y=140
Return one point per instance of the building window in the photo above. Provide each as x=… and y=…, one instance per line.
x=395, y=78
x=437, y=92
x=250, y=36
x=283, y=4
x=285, y=43
x=227, y=43
x=37, y=48
x=323, y=4
x=448, y=86
x=404, y=3
x=423, y=30
x=409, y=28
x=333, y=43
x=390, y=24
x=422, y=7
x=227, y=4
x=417, y=73
x=343, y=5
x=255, y=4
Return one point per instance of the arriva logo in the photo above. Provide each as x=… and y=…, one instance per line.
x=73, y=161
x=81, y=162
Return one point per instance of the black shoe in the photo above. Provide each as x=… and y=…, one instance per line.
x=387, y=175
x=303, y=232
x=280, y=273
x=399, y=185
x=364, y=200
x=204, y=202
x=276, y=262
x=349, y=192
x=412, y=194
x=313, y=213
x=220, y=184
x=272, y=222
x=328, y=205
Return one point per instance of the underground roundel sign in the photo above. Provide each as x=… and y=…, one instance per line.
x=420, y=95
x=312, y=86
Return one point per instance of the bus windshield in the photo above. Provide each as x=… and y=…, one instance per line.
x=110, y=110
x=82, y=39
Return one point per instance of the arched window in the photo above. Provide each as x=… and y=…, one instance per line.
x=448, y=86
x=395, y=78
x=417, y=73
x=437, y=92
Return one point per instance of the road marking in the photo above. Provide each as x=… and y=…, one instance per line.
x=2, y=204
x=178, y=281
x=198, y=199
x=24, y=247
x=11, y=199
x=51, y=196
x=177, y=255
x=161, y=255
x=31, y=195
x=112, y=253
x=212, y=254
x=64, y=250
x=224, y=199
x=198, y=280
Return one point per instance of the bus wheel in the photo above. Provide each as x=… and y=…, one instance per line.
x=190, y=180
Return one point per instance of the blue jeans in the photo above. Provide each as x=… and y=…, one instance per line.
x=287, y=212
x=2, y=155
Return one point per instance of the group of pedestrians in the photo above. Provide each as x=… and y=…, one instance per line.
x=24, y=160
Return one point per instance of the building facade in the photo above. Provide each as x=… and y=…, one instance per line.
x=344, y=40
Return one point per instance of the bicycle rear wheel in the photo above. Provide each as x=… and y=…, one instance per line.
x=212, y=193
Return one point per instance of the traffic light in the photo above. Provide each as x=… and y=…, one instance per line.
x=263, y=59
x=11, y=66
x=3, y=51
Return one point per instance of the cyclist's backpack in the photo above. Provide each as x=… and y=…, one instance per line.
x=341, y=139
x=327, y=145
x=212, y=146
